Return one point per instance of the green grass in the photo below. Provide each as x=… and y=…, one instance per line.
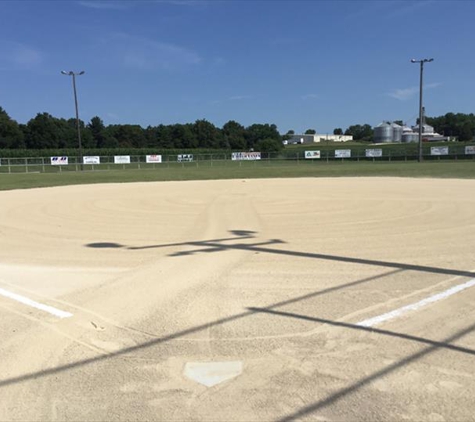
x=242, y=170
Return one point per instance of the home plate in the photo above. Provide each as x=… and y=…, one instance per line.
x=212, y=373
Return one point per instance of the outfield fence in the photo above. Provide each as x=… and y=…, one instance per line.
x=311, y=157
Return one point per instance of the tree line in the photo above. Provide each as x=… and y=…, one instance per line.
x=45, y=131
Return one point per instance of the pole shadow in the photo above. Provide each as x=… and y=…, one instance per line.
x=220, y=245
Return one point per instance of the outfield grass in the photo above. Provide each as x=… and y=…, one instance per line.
x=242, y=170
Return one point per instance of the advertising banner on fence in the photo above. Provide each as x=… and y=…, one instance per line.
x=184, y=158
x=121, y=159
x=236, y=156
x=439, y=150
x=153, y=158
x=91, y=159
x=312, y=154
x=59, y=161
x=470, y=150
x=378, y=152
x=342, y=153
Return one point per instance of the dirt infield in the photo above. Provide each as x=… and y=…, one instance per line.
x=238, y=300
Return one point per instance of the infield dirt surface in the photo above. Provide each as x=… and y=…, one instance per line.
x=261, y=282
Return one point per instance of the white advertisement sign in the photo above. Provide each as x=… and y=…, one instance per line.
x=59, y=161
x=184, y=157
x=122, y=159
x=470, y=150
x=92, y=159
x=342, y=153
x=153, y=158
x=236, y=156
x=312, y=154
x=439, y=151
x=374, y=152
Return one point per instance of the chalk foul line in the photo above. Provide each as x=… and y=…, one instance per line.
x=414, y=306
x=22, y=299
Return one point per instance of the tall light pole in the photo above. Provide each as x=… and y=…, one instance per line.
x=422, y=61
x=73, y=74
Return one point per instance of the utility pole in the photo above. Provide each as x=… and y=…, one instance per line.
x=422, y=61
x=73, y=74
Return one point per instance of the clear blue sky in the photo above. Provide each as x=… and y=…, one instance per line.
x=298, y=64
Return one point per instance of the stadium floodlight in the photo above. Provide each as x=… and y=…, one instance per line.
x=422, y=61
x=73, y=74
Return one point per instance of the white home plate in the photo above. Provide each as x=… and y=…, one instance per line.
x=212, y=373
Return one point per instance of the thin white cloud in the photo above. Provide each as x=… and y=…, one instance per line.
x=408, y=7
x=309, y=96
x=18, y=56
x=184, y=2
x=240, y=97
x=404, y=93
x=147, y=54
x=112, y=116
x=407, y=93
x=105, y=5
x=389, y=9
x=233, y=98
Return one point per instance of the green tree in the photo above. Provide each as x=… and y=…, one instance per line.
x=164, y=137
x=269, y=145
x=465, y=132
x=207, y=134
x=234, y=135
x=131, y=136
x=183, y=136
x=43, y=131
x=338, y=131
x=360, y=132
x=11, y=135
x=259, y=132
x=96, y=128
x=310, y=132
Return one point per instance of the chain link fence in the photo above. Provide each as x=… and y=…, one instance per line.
x=310, y=157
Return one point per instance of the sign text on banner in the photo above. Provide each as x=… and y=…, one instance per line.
x=184, y=157
x=470, y=150
x=236, y=156
x=439, y=150
x=378, y=152
x=342, y=153
x=121, y=159
x=92, y=159
x=153, y=158
x=59, y=161
x=312, y=154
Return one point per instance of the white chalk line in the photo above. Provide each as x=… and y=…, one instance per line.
x=414, y=306
x=22, y=299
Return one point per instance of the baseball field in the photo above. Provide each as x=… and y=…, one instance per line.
x=241, y=299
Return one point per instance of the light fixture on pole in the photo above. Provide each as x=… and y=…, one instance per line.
x=422, y=61
x=73, y=74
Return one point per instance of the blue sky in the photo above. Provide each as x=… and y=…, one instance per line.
x=298, y=64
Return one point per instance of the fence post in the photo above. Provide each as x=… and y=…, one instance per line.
x=26, y=165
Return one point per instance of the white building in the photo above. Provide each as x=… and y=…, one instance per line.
x=308, y=139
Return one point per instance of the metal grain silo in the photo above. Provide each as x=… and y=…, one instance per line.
x=410, y=137
x=383, y=133
x=397, y=132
